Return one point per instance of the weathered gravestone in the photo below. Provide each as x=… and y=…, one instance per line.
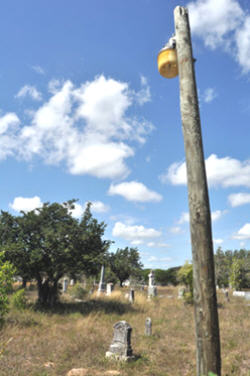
x=65, y=285
x=131, y=296
x=102, y=284
x=72, y=282
x=152, y=290
x=120, y=348
x=181, y=292
x=110, y=288
x=148, y=327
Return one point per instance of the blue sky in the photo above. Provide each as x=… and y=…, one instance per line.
x=85, y=114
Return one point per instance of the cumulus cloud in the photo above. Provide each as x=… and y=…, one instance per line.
x=29, y=91
x=157, y=245
x=134, y=191
x=26, y=204
x=224, y=172
x=243, y=45
x=99, y=207
x=96, y=206
x=9, y=125
x=243, y=233
x=237, y=199
x=209, y=95
x=223, y=24
x=86, y=127
x=134, y=234
x=213, y=20
x=218, y=241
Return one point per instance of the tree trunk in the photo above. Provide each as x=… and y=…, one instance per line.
x=205, y=302
x=47, y=292
x=24, y=283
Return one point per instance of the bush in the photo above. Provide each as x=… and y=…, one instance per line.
x=77, y=291
x=6, y=274
x=19, y=300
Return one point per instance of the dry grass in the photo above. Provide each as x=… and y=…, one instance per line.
x=78, y=335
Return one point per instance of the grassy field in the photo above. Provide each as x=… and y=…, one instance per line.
x=77, y=335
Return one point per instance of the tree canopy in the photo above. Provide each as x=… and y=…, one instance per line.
x=125, y=263
x=48, y=242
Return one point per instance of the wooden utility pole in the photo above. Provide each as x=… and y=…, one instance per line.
x=205, y=302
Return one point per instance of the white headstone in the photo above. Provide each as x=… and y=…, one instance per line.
x=110, y=288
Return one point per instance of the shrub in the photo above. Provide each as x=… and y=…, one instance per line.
x=77, y=291
x=7, y=271
x=19, y=300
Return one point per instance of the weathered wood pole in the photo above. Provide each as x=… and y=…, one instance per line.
x=205, y=301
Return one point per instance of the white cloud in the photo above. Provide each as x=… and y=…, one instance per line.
x=134, y=234
x=243, y=233
x=86, y=127
x=209, y=95
x=99, y=207
x=143, y=95
x=26, y=204
x=38, y=69
x=157, y=245
x=96, y=206
x=176, y=230
x=30, y=91
x=218, y=241
x=225, y=172
x=223, y=24
x=215, y=215
x=213, y=20
x=184, y=218
x=237, y=199
x=78, y=210
x=243, y=45
x=9, y=125
x=134, y=191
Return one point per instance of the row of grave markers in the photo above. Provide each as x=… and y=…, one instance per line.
x=102, y=288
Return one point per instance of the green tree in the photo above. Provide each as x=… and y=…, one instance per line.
x=185, y=276
x=125, y=263
x=165, y=277
x=49, y=243
x=237, y=274
x=7, y=271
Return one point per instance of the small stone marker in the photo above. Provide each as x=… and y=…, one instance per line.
x=181, y=292
x=226, y=295
x=65, y=285
x=72, y=282
x=152, y=290
x=247, y=295
x=148, y=327
x=120, y=348
x=239, y=293
x=132, y=296
x=102, y=285
x=110, y=288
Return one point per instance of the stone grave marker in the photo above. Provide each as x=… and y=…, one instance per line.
x=102, y=284
x=148, y=327
x=120, y=348
x=110, y=288
x=65, y=284
x=181, y=292
x=132, y=296
x=152, y=290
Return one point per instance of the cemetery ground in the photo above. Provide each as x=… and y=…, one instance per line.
x=77, y=334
